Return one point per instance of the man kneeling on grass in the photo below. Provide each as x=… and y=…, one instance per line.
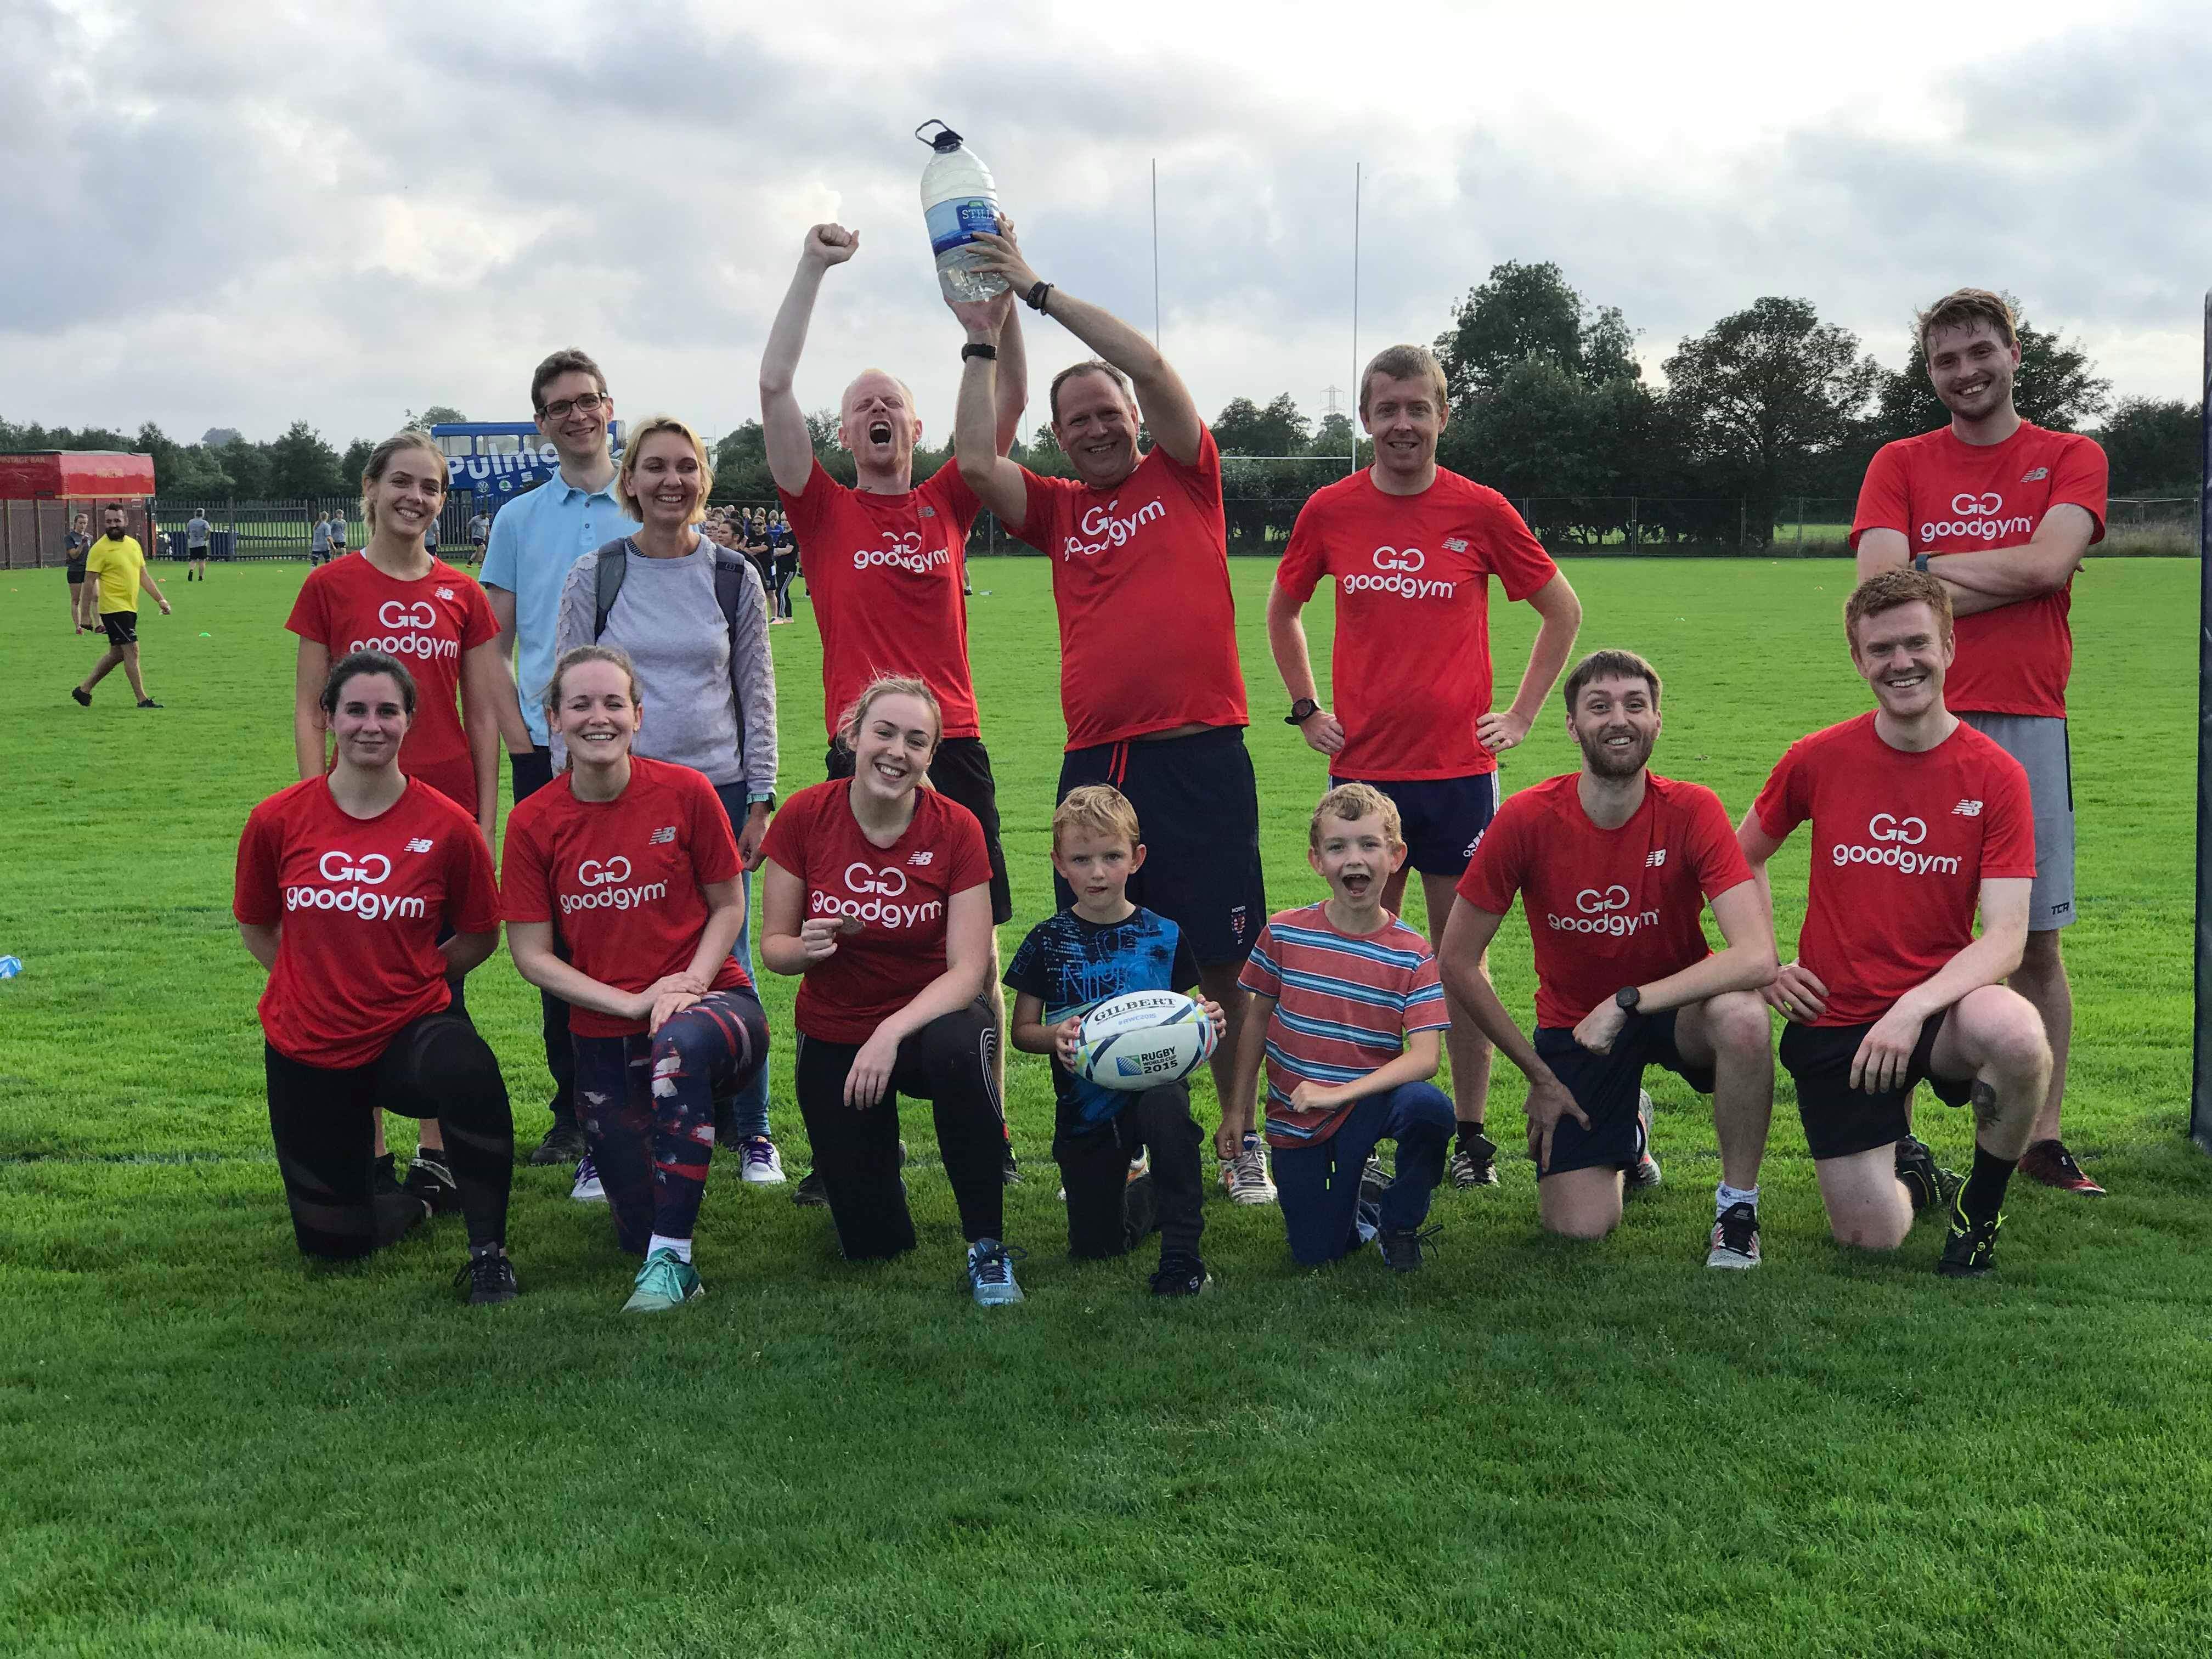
x=1918, y=818
x=1615, y=865
x=1347, y=1010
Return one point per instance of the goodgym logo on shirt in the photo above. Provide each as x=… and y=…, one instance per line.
x=872, y=894
x=1397, y=570
x=1112, y=527
x=366, y=872
x=1604, y=910
x=416, y=640
x=1890, y=842
x=607, y=887
x=903, y=552
x=1978, y=517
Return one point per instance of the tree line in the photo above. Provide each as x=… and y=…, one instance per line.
x=1547, y=399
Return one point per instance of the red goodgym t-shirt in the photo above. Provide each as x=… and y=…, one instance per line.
x=1606, y=907
x=1410, y=673
x=1140, y=578
x=883, y=574
x=622, y=879
x=898, y=894
x=349, y=605
x=1946, y=496
x=363, y=902
x=1901, y=845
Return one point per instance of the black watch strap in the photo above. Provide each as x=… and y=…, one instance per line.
x=1301, y=711
x=1627, y=998
x=1035, y=297
x=978, y=348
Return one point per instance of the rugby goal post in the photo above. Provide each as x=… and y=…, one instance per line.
x=2200, y=1092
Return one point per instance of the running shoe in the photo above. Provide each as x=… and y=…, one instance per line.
x=1373, y=1181
x=147, y=702
x=1402, y=1246
x=1009, y=1170
x=588, y=1188
x=1932, y=1186
x=665, y=1281
x=487, y=1275
x=563, y=1144
x=2050, y=1163
x=1970, y=1250
x=431, y=1179
x=1736, y=1238
x=759, y=1163
x=1181, y=1274
x=991, y=1272
x=1473, y=1161
x=1643, y=1175
x=83, y=696
x=1244, y=1177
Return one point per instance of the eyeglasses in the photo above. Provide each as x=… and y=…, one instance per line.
x=589, y=403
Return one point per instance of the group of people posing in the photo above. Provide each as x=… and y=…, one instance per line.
x=642, y=746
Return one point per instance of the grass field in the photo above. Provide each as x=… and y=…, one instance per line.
x=1530, y=1448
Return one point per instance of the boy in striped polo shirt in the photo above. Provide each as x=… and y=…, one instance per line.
x=1349, y=1012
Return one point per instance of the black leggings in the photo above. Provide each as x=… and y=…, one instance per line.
x=323, y=1122
x=948, y=1063
x=1107, y=1211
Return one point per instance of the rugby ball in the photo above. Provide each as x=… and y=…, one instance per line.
x=1140, y=1039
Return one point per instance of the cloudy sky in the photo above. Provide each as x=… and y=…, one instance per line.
x=222, y=214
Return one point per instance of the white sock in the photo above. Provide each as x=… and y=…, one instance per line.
x=679, y=1247
x=1724, y=1195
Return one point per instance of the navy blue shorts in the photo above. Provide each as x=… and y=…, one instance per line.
x=1442, y=818
x=1606, y=1086
x=1840, y=1119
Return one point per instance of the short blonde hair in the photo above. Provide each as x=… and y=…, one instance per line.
x=1351, y=802
x=381, y=459
x=633, y=445
x=888, y=685
x=1406, y=362
x=1095, y=809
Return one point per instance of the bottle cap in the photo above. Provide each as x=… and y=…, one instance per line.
x=946, y=140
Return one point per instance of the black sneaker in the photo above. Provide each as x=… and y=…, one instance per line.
x=147, y=702
x=1402, y=1246
x=430, y=1179
x=487, y=1275
x=1181, y=1275
x=1932, y=1186
x=563, y=1144
x=1970, y=1251
x=83, y=696
x=1642, y=1175
x=810, y=1191
x=1009, y=1170
x=1473, y=1161
x=1736, y=1238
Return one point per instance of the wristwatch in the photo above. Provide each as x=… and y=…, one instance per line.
x=1627, y=998
x=767, y=800
x=1301, y=711
x=1920, y=562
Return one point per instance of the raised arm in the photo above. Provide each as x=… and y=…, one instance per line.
x=1562, y=613
x=1165, y=401
x=998, y=484
x=783, y=425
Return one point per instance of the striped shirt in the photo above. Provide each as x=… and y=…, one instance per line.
x=1343, y=1005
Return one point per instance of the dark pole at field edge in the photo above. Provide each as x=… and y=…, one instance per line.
x=2200, y=1091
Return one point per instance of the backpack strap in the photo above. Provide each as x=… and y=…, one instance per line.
x=613, y=566
x=731, y=572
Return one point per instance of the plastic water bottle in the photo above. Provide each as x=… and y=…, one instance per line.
x=957, y=200
x=10, y=966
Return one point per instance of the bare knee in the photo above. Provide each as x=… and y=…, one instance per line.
x=1738, y=1024
x=1869, y=1233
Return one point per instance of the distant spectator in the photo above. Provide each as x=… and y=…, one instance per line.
x=337, y=535
x=783, y=565
x=198, y=532
x=318, y=539
x=479, y=530
x=117, y=565
x=74, y=546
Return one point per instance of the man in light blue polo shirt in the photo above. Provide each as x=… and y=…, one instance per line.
x=535, y=539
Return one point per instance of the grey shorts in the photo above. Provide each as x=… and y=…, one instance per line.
x=2039, y=743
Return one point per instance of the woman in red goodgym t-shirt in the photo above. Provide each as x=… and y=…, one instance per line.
x=634, y=861
x=879, y=893
x=346, y=885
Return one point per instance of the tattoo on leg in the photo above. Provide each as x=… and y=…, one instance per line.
x=1984, y=1099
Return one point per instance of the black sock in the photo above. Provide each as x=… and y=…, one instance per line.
x=1985, y=1186
x=1469, y=1134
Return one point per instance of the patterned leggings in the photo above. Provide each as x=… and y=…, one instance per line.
x=648, y=1107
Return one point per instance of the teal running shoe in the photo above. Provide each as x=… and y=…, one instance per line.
x=665, y=1281
x=991, y=1272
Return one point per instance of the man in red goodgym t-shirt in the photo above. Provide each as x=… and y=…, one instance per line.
x=1412, y=547
x=1149, y=680
x=2002, y=512
x=1614, y=866
x=1918, y=820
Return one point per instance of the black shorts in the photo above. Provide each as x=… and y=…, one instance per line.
x=1442, y=818
x=1840, y=1119
x=961, y=772
x=1198, y=810
x=76, y=575
x=1606, y=1086
x=122, y=627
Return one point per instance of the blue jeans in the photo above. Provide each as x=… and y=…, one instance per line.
x=1317, y=1185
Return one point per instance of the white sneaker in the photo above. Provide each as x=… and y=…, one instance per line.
x=1244, y=1177
x=759, y=1163
x=587, y=1189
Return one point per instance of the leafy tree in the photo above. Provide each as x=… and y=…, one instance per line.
x=1525, y=311
x=1334, y=436
x=2153, y=446
x=220, y=437
x=1245, y=429
x=436, y=415
x=355, y=462
x=301, y=463
x=2057, y=386
x=1761, y=395
x=248, y=467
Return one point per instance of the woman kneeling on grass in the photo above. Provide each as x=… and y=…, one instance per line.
x=879, y=893
x=346, y=884
x=635, y=859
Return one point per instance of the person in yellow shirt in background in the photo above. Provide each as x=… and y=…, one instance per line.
x=117, y=567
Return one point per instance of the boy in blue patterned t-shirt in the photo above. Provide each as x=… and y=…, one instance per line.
x=1101, y=947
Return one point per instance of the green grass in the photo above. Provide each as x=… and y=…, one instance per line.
x=1532, y=1448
